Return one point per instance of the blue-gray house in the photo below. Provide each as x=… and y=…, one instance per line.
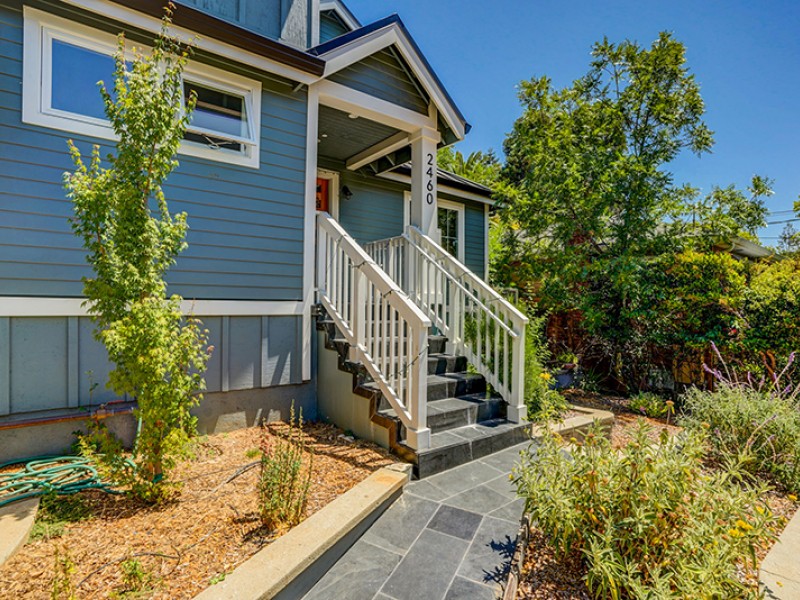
x=333, y=263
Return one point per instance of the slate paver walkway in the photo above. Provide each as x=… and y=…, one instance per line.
x=448, y=537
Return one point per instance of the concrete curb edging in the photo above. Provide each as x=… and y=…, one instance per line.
x=518, y=560
x=16, y=522
x=578, y=425
x=292, y=564
x=779, y=572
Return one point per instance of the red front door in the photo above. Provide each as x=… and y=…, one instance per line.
x=323, y=194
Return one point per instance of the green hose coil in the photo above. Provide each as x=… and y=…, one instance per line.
x=49, y=474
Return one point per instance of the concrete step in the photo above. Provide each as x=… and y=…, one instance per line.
x=450, y=413
x=461, y=445
x=453, y=385
x=436, y=344
x=439, y=364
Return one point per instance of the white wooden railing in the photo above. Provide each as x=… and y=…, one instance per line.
x=478, y=322
x=386, y=331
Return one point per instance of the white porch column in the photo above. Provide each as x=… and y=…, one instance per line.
x=310, y=225
x=423, y=180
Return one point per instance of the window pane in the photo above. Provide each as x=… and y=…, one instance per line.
x=218, y=111
x=76, y=72
x=448, y=227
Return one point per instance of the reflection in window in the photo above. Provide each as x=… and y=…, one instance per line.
x=75, y=73
x=448, y=226
x=219, y=119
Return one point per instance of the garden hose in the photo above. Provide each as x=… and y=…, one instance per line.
x=49, y=474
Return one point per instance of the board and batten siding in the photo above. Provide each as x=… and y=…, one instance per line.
x=49, y=363
x=245, y=243
x=474, y=235
x=385, y=76
x=284, y=20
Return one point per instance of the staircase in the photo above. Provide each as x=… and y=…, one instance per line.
x=466, y=421
x=409, y=322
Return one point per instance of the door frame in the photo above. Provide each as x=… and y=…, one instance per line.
x=333, y=189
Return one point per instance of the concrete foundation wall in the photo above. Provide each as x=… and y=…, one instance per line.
x=336, y=402
x=218, y=412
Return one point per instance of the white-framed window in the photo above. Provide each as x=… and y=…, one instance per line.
x=450, y=222
x=63, y=61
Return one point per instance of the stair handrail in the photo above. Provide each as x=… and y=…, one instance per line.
x=386, y=331
x=451, y=295
x=442, y=254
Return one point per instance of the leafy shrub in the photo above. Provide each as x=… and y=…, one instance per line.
x=772, y=306
x=285, y=476
x=62, y=587
x=754, y=422
x=137, y=581
x=649, y=521
x=706, y=291
x=651, y=405
x=543, y=402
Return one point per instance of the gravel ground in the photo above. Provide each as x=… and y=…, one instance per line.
x=205, y=532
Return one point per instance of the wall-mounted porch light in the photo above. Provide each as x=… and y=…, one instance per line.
x=346, y=193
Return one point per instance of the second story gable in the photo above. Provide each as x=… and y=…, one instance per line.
x=287, y=21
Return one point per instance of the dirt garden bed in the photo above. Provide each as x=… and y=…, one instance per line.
x=546, y=576
x=119, y=548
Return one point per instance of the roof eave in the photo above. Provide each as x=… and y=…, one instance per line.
x=221, y=30
x=388, y=31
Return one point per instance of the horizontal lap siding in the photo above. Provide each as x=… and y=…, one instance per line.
x=330, y=27
x=475, y=242
x=49, y=363
x=375, y=210
x=245, y=225
x=383, y=76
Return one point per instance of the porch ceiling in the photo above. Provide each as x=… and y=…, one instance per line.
x=341, y=137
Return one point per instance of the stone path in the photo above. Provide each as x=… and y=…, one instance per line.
x=448, y=537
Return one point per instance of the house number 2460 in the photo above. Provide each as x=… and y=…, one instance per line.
x=429, y=175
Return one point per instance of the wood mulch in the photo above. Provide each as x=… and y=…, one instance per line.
x=194, y=540
x=548, y=576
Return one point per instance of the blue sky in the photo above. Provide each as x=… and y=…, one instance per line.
x=744, y=54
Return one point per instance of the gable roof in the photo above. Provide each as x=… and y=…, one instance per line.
x=356, y=45
x=347, y=18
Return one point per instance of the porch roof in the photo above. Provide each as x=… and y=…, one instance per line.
x=351, y=47
x=448, y=182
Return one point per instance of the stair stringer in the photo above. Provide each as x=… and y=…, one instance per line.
x=376, y=402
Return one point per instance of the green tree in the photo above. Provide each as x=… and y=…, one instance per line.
x=789, y=240
x=481, y=167
x=591, y=202
x=131, y=238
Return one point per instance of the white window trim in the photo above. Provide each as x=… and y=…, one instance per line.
x=459, y=208
x=333, y=188
x=41, y=27
x=406, y=209
x=24, y=306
